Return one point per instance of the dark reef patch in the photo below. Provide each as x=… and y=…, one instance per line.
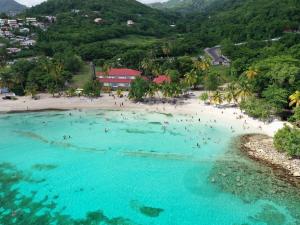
x=251, y=181
x=145, y=210
x=24, y=210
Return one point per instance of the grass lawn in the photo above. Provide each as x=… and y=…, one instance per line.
x=82, y=77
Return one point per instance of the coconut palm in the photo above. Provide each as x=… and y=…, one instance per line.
x=147, y=64
x=231, y=93
x=251, y=73
x=295, y=99
x=190, y=79
x=153, y=88
x=105, y=69
x=202, y=65
x=244, y=90
x=119, y=93
x=217, y=98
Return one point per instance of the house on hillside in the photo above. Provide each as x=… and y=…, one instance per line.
x=118, y=77
x=98, y=20
x=13, y=50
x=30, y=20
x=130, y=23
x=13, y=23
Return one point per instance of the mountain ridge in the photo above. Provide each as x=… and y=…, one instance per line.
x=7, y=6
x=184, y=6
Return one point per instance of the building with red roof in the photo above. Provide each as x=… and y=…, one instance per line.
x=161, y=79
x=118, y=77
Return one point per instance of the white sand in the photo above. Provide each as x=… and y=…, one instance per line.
x=192, y=107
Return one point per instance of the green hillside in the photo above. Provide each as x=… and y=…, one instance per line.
x=185, y=6
x=76, y=28
x=10, y=6
x=240, y=20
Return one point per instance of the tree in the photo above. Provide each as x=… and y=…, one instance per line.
x=287, y=140
x=31, y=89
x=217, y=98
x=277, y=97
x=92, y=88
x=244, y=90
x=231, y=93
x=211, y=81
x=139, y=89
x=251, y=73
x=201, y=65
x=295, y=99
x=190, y=79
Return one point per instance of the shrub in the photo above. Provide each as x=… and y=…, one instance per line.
x=204, y=97
x=257, y=108
x=139, y=89
x=92, y=88
x=295, y=118
x=287, y=140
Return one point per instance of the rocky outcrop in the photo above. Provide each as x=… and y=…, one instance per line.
x=261, y=148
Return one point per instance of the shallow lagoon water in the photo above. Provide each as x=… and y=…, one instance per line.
x=112, y=167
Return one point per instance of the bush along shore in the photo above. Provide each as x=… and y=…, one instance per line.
x=261, y=148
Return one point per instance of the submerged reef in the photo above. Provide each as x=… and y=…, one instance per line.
x=145, y=210
x=16, y=208
x=251, y=182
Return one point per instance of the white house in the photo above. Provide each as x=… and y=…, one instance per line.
x=31, y=20
x=13, y=50
x=98, y=20
x=13, y=23
x=28, y=43
x=3, y=22
x=24, y=30
x=130, y=23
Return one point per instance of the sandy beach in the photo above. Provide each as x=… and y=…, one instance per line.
x=232, y=116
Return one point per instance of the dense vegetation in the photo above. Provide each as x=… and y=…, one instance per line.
x=240, y=20
x=287, y=139
x=184, y=6
x=76, y=28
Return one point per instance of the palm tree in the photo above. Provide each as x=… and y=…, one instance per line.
x=231, y=93
x=166, y=49
x=190, y=79
x=152, y=90
x=244, y=90
x=251, y=73
x=147, y=64
x=105, y=69
x=202, y=65
x=295, y=99
x=217, y=98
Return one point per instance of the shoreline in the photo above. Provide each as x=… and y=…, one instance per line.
x=229, y=116
x=260, y=148
x=255, y=136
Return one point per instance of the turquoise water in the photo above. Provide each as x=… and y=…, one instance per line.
x=112, y=167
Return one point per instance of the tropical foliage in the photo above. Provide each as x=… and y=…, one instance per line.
x=287, y=140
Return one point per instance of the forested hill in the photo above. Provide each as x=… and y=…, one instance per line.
x=76, y=27
x=240, y=20
x=10, y=6
x=110, y=8
x=184, y=6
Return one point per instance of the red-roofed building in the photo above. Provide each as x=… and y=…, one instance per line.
x=118, y=77
x=162, y=79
